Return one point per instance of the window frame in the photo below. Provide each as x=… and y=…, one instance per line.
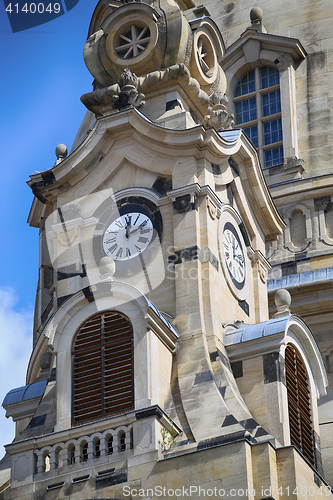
x=260, y=119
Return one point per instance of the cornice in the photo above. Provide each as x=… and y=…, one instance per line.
x=198, y=142
x=79, y=162
x=291, y=46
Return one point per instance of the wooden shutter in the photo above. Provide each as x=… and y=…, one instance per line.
x=299, y=404
x=103, y=367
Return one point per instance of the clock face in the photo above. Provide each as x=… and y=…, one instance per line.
x=129, y=234
x=129, y=231
x=234, y=255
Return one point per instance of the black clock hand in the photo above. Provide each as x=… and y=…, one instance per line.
x=135, y=230
x=239, y=257
x=126, y=229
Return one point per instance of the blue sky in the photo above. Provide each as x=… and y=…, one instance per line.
x=43, y=76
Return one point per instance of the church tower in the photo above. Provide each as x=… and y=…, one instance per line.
x=155, y=369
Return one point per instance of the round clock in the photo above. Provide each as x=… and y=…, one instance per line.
x=129, y=231
x=128, y=234
x=233, y=253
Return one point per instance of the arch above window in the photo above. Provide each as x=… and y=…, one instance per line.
x=257, y=103
x=102, y=367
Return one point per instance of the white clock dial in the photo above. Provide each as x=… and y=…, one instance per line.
x=128, y=236
x=234, y=256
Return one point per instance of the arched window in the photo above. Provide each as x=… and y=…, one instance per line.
x=299, y=405
x=258, y=111
x=103, y=367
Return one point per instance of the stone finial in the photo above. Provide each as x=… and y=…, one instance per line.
x=107, y=268
x=282, y=301
x=61, y=153
x=256, y=17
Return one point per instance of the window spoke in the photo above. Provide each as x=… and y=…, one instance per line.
x=133, y=42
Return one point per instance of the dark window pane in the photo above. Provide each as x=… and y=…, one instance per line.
x=269, y=77
x=246, y=84
x=274, y=157
x=271, y=103
x=272, y=131
x=252, y=133
x=246, y=110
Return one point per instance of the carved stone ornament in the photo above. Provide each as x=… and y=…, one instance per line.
x=212, y=208
x=263, y=273
x=116, y=97
x=217, y=116
x=262, y=265
x=183, y=203
x=128, y=95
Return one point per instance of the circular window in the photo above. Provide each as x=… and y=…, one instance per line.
x=205, y=56
x=205, y=65
x=133, y=41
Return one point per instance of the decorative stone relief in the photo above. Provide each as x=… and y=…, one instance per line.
x=325, y=215
x=217, y=115
x=115, y=97
x=298, y=232
x=184, y=203
x=128, y=95
x=298, y=229
x=212, y=208
x=262, y=264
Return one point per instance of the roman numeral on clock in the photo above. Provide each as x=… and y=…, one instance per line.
x=142, y=240
x=112, y=249
x=110, y=241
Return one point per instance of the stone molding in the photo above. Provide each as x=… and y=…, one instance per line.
x=166, y=332
x=262, y=263
x=287, y=233
x=291, y=329
x=197, y=141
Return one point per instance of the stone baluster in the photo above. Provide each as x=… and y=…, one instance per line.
x=91, y=451
x=128, y=439
x=53, y=460
x=63, y=458
x=103, y=446
x=40, y=462
x=116, y=444
x=78, y=453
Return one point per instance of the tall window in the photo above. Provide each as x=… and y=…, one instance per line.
x=299, y=406
x=103, y=367
x=258, y=111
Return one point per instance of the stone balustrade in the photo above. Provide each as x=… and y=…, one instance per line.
x=99, y=447
x=74, y=453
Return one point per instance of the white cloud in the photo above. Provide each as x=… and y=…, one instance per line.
x=15, y=349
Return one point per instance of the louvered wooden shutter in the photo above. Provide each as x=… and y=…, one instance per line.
x=103, y=367
x=299, y=404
